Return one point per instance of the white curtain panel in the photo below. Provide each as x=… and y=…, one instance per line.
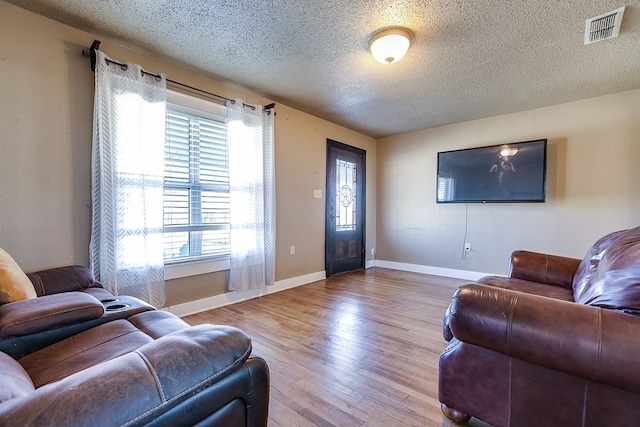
x=127, y=169
x=252, y=196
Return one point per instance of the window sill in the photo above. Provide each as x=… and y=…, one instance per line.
x=194, y=268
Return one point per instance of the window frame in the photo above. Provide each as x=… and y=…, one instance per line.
x=178, y=268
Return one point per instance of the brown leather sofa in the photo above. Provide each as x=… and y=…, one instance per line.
x=553, y=344
x=78, y=356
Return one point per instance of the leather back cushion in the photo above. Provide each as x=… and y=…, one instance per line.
x=14, y=381
x=609, y=274
x=70, y=278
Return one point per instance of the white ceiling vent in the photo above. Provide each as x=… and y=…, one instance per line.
x=603, y=27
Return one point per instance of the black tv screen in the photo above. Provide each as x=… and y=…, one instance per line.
x=498, y=173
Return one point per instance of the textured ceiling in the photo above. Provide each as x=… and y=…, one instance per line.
x=469, y=59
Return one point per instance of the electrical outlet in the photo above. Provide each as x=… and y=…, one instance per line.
x=292, y=250
x=373, y=251
x=467, y=247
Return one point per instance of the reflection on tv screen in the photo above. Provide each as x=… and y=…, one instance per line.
x=500, y=173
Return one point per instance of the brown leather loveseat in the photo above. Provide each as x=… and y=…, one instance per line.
x=78, y=356
x=553, y=344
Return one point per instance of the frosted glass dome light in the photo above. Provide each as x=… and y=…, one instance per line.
x=390, y=45
x=508, y=152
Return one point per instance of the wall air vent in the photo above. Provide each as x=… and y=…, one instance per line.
x=603, y=27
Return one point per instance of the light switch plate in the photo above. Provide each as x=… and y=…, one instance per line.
x=317, y=194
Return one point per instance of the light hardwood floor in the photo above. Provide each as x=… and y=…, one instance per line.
x=360, y=349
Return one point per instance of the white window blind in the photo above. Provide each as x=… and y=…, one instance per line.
x=196, y=186
x=445, y=189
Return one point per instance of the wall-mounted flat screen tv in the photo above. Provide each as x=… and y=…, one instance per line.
x=505, y=173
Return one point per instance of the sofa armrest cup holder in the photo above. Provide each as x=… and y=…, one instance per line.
x=114, y=304
x=116, y=307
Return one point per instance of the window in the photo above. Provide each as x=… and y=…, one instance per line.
x=445, y=188
x=196, y=180
x=346, y=195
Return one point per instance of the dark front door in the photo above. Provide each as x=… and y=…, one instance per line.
x=345, y=210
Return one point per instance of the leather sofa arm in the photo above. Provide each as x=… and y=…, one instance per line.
x=165, y=379
x=48, y=312
x=543, y=268
x=585, y=341
x=63, y=279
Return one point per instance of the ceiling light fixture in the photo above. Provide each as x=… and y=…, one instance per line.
x=390, y=45
x=508, y=152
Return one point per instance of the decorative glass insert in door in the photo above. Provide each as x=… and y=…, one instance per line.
x=345, y=195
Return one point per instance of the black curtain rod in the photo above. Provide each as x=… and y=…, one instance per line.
x=96, y=45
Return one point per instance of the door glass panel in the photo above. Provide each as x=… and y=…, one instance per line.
x=345, y=195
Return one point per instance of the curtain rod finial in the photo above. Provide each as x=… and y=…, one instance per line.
x=92, y=53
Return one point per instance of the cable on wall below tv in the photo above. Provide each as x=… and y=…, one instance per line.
x=466, y=229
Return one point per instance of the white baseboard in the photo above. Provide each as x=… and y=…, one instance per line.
x=436, y=271
x=228, y=298
x=217, y=301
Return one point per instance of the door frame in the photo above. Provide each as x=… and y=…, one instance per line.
x=361, y=199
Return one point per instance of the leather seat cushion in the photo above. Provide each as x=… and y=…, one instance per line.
x=81, y=351
x=97, y=345
x=556, y=292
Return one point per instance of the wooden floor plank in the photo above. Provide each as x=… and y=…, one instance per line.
x=359, y=349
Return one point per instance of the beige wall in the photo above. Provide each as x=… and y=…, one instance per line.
x=46, y=101
x=300, y=168
x=593, y=187
x=46, y=98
